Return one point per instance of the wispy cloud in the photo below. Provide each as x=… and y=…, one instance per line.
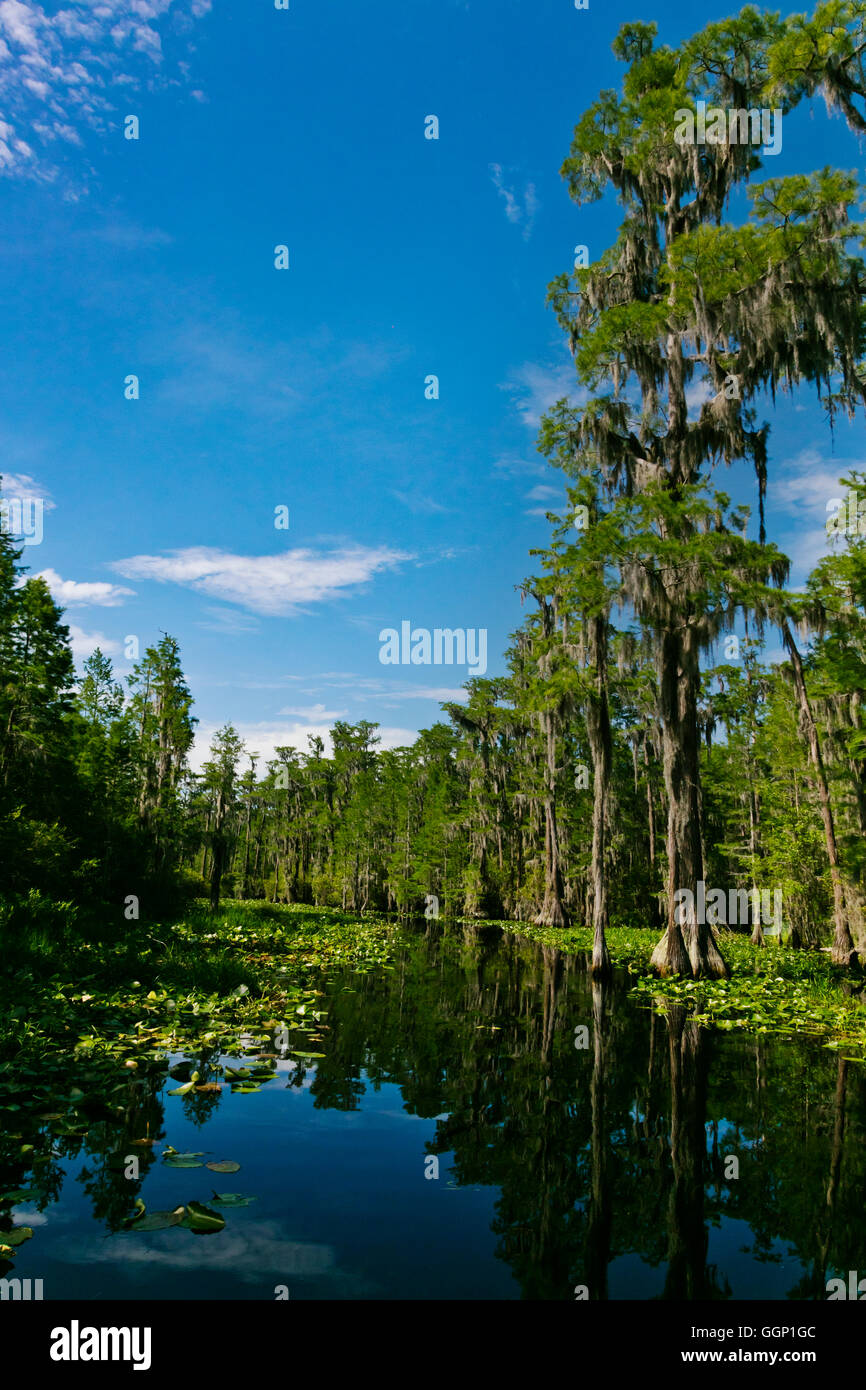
x=60, y=72
x=418, y=503
x=72, y=592
x=273, y=585
x=803, y=488
x=228, y=620
x=514, y=466
x=810, y=480
x=519, y=209
x=535, y=387
x=543, y=493
x=254, y=1249
x=216, y=362
x=22, y=485
x=429, y=692
x=314, y=714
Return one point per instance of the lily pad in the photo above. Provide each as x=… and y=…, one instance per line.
x=183, y=1090
x=157, y=1220
x=16, y=1236
x=309, y=1056
x=225, y=1165
x=231, y=1199
x=202, y=1220
x=176, y=1160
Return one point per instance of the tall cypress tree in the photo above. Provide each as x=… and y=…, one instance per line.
x=683, y=298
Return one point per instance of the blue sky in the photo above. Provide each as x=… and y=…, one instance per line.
x=305, y=388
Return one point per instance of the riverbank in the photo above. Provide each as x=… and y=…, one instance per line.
x=209, y=980
x=771, y=990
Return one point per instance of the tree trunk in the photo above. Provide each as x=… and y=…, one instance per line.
x=690, y=948
x=598, y=731
x=842, y=951
x=553, y=912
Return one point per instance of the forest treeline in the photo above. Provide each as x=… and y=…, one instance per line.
x=490, y=812
x=640, y=743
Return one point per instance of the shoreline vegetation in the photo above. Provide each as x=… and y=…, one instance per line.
x=209, y=982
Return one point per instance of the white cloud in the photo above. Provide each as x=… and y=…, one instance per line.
x=314, y=713
x=342, y=680
x=515, y=467
x=19, y=22
x=543, y=493
x=84, y=644
x=72, y=591
x=24, y=486
x=264, y=738
x=68, y=63
x=274, y=585
x=803, y=487
x=808, y=481
x=698, y=392
x=535, y=388
x=417, y=502
x=252, y=1249
x=516, y=211
x=428, y=692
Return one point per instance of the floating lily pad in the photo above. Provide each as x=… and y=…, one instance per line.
x=183, y=1090
x=20, y=1194
x=16, y=1236
x=157, y=1220
x=231, y=1199
x=309, y=1056
x=225, y=1165
x=176, y=1160
x=202, y=1220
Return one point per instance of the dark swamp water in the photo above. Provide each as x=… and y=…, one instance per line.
x=606, y=1165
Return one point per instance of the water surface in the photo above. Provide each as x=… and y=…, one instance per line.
x=463, y=1138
